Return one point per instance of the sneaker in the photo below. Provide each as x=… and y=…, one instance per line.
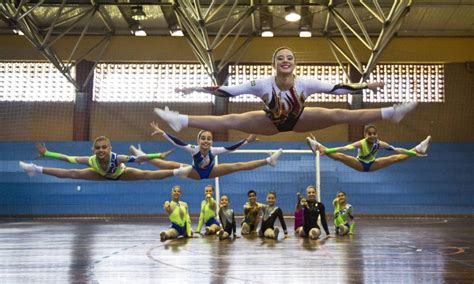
x=422, y=148
x=313, y=144
x=220, y=234
x=136, y=151
x=183, y=171
x=276, y=231
x=29, y=168
x=171, y=117
x=208, y=231
x=400, y=110
x=273, y=159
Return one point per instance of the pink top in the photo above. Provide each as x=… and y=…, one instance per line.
x=299, y=218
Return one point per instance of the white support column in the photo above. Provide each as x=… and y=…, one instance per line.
x=318, y=177
x=217, y=183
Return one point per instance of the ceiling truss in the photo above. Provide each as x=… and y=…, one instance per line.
x=194, y=21
x=20, y=16
x=353, y=26
x=194, y=18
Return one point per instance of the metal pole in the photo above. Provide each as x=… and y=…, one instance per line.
x=318, y=177
x=217, y=184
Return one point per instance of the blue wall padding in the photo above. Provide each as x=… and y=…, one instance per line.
x=442, y=183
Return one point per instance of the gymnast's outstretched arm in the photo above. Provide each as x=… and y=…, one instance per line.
x=43, y=152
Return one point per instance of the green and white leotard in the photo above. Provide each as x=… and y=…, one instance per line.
x=114, y=169
x=366, y=154
x=343, y=216
x=208, y=214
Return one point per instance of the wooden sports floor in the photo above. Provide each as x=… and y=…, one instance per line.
x=129, y=251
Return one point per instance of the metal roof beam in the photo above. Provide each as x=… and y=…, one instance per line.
x=193, y=18
x=22, y=17
x=390, y=19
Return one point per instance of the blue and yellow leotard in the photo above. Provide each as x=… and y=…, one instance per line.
x=180, y=219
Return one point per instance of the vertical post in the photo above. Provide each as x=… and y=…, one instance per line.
x=355, y=102
x=318, y=177
x=82, y=106
x=216, y=182
x=318, y=185
x=221, y=105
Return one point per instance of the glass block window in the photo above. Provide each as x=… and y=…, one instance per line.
x=34, y=82
x=408, y=82
x=149, y=82
x=157, y=82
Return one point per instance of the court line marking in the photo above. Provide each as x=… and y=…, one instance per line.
x=151, y=257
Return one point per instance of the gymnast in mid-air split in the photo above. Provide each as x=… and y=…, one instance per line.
x=284, y=95
x=367, y=150
x=204, y=154
x=103, y=165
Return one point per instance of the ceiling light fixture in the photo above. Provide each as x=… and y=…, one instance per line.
x=304, y=32
x=138, y=14
x=176, y=31
x=139, y=31
x=267, y=33
x=18, y=32
x=291, y=15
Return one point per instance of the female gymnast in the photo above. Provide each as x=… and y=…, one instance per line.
x=179, y=216
x=208, y=213
x=283, y=95
x=343, y=218
x=312, y=209
x=252, y=211
x=204, y=155
x=367, y=149
x=103, y=165
x=227, y=218
x=270, y=214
